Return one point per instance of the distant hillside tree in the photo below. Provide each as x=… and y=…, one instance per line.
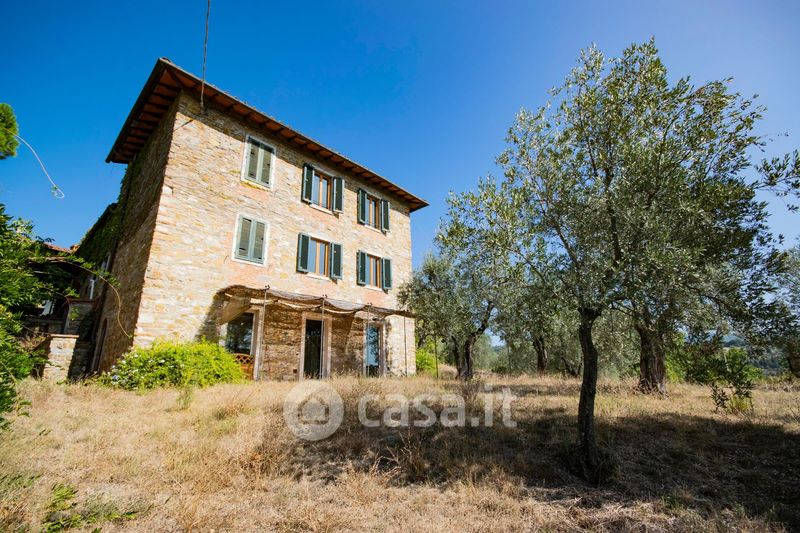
x=455, y=298
x=788, y=338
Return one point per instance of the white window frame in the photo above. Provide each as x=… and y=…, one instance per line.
x=327, y=336
x=235, y=243
x=273, y=154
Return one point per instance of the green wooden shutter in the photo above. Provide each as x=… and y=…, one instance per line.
x=243, y=240
x=384, y=215
x=265, y=155
x=303, y=242
x=338, y=194
x=387, y=273
x=362, y=206
x=308, y=182
x=336, y=261
x=252, y=160
x=258, y=242
x=361, y=268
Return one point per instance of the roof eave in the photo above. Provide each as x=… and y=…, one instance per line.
x=126, y=146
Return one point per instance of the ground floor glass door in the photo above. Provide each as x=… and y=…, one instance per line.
x=372, y=351
x=312, y=355
x=239, y=342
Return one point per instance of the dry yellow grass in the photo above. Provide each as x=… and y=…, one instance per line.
x=223, y=459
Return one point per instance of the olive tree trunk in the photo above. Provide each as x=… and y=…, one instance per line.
x=589, y=459
x=464, y=358
x=792, y=350
x=652, y=365
x=541, y=354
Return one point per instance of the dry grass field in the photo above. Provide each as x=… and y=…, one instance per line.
x=222, y=458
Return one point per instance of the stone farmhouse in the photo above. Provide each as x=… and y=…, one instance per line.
x=235, y=227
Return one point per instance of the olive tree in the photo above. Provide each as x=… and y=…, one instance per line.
x=628, y=193
x=454, y=299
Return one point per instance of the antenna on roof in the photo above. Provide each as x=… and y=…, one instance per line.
x=205, y=53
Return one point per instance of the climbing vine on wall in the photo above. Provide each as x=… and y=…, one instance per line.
x=100, y=240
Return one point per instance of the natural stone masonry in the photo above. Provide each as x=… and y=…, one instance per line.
x=176, y=250
x=130, y=258
x=66, y=357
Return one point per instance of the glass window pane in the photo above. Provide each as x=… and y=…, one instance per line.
x=372, y=351
x=315, y=189
x=312, y=255
x=324, y=192
x=239, y=338
x=321, y=256
x=243, y=247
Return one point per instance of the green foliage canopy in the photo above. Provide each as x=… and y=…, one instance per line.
x=8, y=132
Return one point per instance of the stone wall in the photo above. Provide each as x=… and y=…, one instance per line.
x=202, y=195
x=66, y=357
x=130, y=261
x=282, y=342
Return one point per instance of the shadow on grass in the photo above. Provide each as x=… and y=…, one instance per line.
x=701, y=464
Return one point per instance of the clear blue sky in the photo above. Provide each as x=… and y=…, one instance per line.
x=421, y=92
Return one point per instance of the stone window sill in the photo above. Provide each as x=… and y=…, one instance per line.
x=323, y=209
x=319, y=277
x=256, y=185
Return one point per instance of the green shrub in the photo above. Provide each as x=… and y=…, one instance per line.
x=676, y=373
x=426, y=361
x=16, y=363
x=733, y=372
x=174, y=364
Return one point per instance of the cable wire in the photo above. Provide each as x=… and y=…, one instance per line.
x=56, y=190
x=205, y=54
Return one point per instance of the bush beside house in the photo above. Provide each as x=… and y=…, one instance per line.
x=167, y=364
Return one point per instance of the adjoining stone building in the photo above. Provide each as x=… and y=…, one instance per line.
x=235, y=227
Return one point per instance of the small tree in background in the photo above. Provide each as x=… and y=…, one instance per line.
x=455, y=298
x=787, y=334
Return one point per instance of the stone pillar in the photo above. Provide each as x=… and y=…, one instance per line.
x=60, y=351
x=401, y=346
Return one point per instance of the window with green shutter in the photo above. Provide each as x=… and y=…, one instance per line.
x=315, y=256
x=303, y=244
x=373, y=271
x=336, y=261
x=258, y=162
x=322, y=190
x=308, y=183
x=362, y=206
x=338, y=195
x=372, y=211
x=361, y=268
x=385, y=215
x=387, y=274
x=250, y=240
